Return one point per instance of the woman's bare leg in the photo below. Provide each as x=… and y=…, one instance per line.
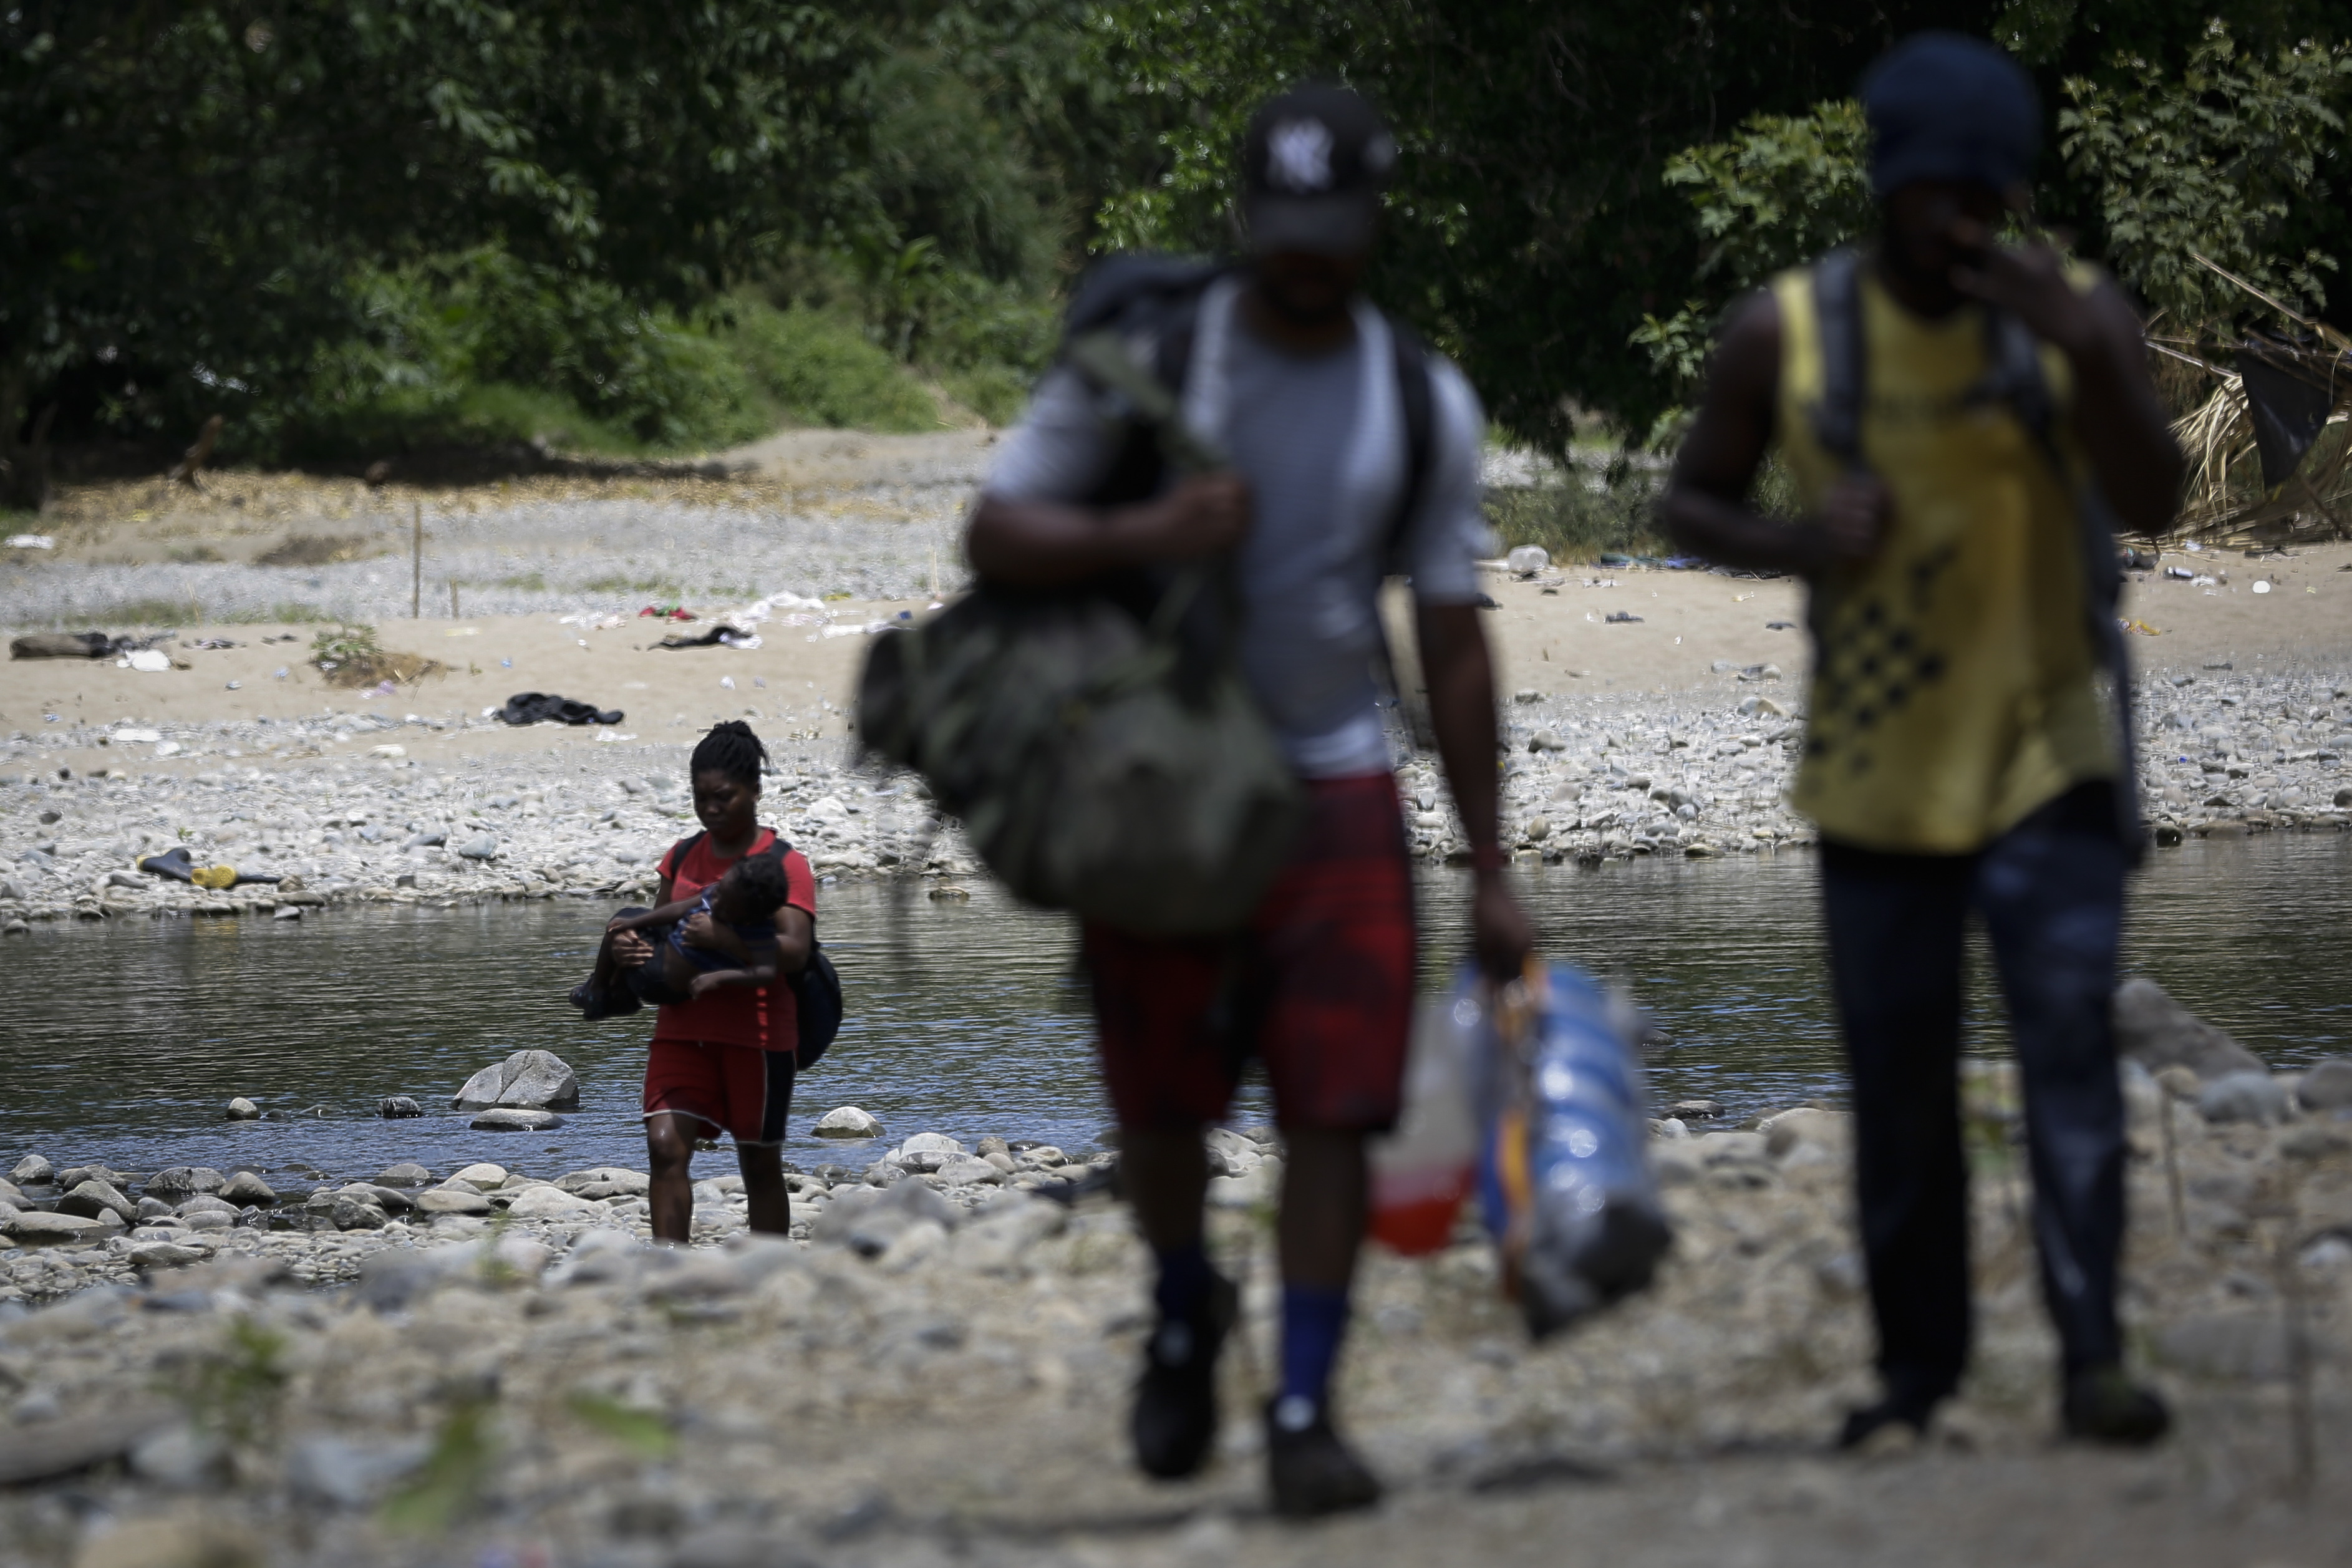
x=669, y=1144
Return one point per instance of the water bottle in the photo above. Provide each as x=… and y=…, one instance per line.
x=1567, y=1190
x=1422, y=1170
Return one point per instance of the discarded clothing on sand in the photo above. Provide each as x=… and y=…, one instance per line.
x=78, y=645
x=729, y=635
x=541, y=706
x=180, y=867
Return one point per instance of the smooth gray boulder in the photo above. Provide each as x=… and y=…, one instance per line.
x=242, y=1110
x=33, y=1228
x=848, y=1121
x=2245, y=1096
x=507, y=1120
x=176, y=1182
x=32, y=1170
x=2158, y=1032
x=93, y=1198
x=527, y=1080
x=246, y=1189
x=2327, y=1085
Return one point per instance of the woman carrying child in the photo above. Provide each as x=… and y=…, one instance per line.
x=723, y=1056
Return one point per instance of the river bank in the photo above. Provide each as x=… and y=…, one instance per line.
x=375, y=801
x=1648, y=711
x=937, y=1374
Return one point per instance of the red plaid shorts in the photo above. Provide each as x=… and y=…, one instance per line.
x=1319, y=987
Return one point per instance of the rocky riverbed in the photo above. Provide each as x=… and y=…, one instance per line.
x=333, y=802
x=492, y=1365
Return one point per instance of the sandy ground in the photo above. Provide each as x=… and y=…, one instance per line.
x=898, y=496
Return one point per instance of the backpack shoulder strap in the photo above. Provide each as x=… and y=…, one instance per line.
x=684, y=848
x=1415, y=404
x=1837, y=322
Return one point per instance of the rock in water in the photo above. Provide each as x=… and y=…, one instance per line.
x=848, y=1121
x=242, y=1110
x=503, y=1120
x=32, y=1170
x=399, y=1106
x=177, y=1182
x=527, y=1080
x=404, y=1175
x=2327, y=1085
x=90, y=1199
x=2158, y=1032
x=247, y=1188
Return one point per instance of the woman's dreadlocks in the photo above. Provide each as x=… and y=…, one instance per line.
x=730, y=748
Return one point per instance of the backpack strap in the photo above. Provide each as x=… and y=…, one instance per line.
x=680, y=851
x=2014, y=375
x=1837, y=323
x=1415, y=402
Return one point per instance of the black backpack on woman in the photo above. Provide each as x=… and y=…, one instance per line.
x=816, y=989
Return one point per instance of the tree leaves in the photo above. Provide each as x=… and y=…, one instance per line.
x=2211, y=162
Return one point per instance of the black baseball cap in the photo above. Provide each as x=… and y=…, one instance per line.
x=1313, y=164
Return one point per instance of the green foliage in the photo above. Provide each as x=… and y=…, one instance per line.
x=645, y=1432
x=1578, y=517
x=1779, y=191
x=191, y=190
x=236, y=1390
x=450, y=1482
x=2211, y=162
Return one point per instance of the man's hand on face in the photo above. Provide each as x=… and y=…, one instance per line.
x=1499, y=929
x=2029, y=284
x=1206, y=515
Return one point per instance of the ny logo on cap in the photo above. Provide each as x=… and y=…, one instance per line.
x=1298, y=156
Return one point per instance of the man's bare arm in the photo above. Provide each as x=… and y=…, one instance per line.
x=1460, y=675
x=1706, y=509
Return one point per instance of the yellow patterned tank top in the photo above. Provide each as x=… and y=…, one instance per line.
x=1955, y=687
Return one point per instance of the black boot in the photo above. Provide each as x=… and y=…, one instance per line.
x=2103, y=1405
x=1175, y=1417
x=1867, y=1421
x=1308, y=1469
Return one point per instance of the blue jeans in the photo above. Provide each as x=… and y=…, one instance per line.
x=2051, y=893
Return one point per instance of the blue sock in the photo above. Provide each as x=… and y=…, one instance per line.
x=1184, y=1276
x=1313, y=1323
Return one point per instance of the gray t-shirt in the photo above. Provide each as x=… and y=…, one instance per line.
x=1321, y=440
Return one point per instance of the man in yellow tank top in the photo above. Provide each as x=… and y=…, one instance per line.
x=1960, y=748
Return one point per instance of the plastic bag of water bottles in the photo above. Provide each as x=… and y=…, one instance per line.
x=1422, y=1170
x=1563, y=1175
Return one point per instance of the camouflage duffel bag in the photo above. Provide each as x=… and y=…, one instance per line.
x=1091, y=771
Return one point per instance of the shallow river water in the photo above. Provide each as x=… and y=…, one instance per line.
x=120, y=1042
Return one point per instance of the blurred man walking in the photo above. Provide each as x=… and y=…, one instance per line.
x=1961, y=418
x=1350, y=447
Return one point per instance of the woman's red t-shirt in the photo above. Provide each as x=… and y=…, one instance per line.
x=735, y=1015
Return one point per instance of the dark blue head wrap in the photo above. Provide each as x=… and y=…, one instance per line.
x=1943, y=106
